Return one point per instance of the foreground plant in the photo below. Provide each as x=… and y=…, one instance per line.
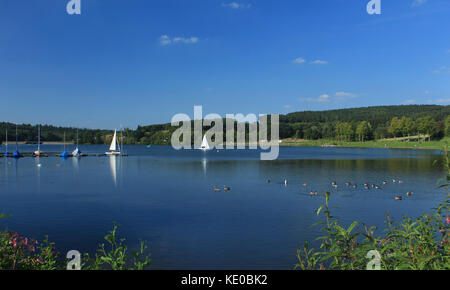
x=20, y=253
x=420, y=243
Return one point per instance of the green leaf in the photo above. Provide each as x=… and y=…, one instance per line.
x=351, y=227
x=320, y=209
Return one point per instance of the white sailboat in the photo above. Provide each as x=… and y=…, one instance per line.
x=114, y=149
x=6, y=151
x=37, y=153
x=76, y=152
x=205, y=145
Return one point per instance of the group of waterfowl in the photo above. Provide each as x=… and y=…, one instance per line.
x=366, y=185
x=225, y=188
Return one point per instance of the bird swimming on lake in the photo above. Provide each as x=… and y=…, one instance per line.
x=377, y=187
x=398, y=198
x=268, y=180
x=216, y=189
x=355, y=186
x=348, y=183
x=313, y=193
x=304, y=184
x=409, y=193
x=285, y=182
x=400, y=181
x=226, y=188
x=385, y=182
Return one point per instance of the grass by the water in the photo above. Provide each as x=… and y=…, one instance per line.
x=384, y=143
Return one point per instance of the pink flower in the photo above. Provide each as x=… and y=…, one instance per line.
x=448, y=219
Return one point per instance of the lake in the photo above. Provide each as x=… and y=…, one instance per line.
x=166, y=197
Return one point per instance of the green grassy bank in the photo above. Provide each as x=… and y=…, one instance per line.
x=385, y=143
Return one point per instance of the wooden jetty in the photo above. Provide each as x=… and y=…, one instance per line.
x=56, y=154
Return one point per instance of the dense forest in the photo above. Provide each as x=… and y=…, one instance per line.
x=358, y=124
x=362, y=124
x=29, y=134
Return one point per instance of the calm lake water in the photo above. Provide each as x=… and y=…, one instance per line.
x=166, y=197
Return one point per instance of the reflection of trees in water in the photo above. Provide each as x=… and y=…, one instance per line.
x=394, y=166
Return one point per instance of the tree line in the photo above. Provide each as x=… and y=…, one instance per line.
x=364, y=124
x=356, y=124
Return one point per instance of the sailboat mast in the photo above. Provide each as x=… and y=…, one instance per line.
x=39, y=138
x=121, y=140
x=17, y=146
x=6, y=140
x=64, y=141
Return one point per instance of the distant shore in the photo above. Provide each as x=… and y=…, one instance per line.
x=432, y=145
x=391, y=144
x=42, y=143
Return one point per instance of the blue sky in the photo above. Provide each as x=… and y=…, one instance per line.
x=130, y=62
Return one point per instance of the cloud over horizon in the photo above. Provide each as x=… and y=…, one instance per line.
x=166, y=40
x=326, y=98
x=300, y=60
x=236, y=5
x=418, y=2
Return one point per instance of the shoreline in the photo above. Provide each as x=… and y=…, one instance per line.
x=432, y=145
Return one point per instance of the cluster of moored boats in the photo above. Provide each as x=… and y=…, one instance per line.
x=366, y=185
x=114, y=149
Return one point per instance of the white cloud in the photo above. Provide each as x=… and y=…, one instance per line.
x=442, y=70
x=409, y=102
x=326, y=98
x=323, y=98
x=345, y=95
x=287, y=107
x=443, y=101
x=166, y=40
x=418, y=2
x=235, y=5
x=319, y=61
x=299, y=60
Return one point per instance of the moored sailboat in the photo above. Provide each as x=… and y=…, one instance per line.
x=205, y=145
x=17, y=153
x=114, y=148
x=6, y=151
x=77, y=151
x=65, y=153
x=37, y=153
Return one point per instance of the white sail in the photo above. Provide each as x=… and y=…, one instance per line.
x=205, y=145
x=113, y=146
x=76, y=152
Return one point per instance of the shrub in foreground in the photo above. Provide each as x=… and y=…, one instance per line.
x=420, y=243
x=21, y=253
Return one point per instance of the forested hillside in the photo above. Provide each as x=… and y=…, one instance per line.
x=358, y=124
x=374, y=121
x=29, y=133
